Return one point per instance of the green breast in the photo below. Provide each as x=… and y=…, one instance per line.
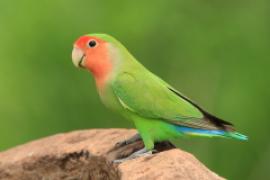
x=109, y=99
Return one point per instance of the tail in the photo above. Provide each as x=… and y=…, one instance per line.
x=211, y=133
x=209, y=125
x=236, y=135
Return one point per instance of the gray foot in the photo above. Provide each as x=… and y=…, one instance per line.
x=139, y=153
x=131, y=140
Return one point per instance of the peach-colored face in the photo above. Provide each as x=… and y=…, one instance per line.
x=92, y=53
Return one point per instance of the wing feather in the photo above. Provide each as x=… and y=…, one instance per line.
x=150, y=97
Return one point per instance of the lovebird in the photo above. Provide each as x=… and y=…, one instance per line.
x=159, y=111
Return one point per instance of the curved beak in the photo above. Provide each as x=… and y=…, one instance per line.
x=78, y=57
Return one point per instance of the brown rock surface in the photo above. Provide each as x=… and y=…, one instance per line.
x=87, y=154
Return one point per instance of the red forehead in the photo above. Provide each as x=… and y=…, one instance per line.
x=83, y=40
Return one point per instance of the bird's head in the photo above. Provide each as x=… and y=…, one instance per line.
x=98, y=53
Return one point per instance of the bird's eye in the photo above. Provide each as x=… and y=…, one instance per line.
x=92, y=43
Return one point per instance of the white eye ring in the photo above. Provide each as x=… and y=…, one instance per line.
x=92, y=43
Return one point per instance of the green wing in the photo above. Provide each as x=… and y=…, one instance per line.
x=148, y=96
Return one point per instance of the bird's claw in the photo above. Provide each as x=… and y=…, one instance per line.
x=121, y=144
x=131, y=140
x=140, y=153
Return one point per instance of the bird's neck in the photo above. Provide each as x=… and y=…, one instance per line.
x=102, y=74
x=108, y=68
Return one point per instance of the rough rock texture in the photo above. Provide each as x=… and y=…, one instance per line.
x=87, y=154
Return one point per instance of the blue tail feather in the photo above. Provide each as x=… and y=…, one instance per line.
x=210, y=133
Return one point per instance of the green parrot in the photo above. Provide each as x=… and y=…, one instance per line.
x=158, y=110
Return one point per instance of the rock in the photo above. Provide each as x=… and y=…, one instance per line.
x=88, y=154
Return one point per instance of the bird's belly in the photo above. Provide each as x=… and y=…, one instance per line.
x=110, y=100
x=157, y=130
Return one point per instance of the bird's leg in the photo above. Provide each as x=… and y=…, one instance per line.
x=131, y=140
x=139, y=153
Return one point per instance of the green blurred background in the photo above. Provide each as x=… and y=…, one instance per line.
x=215, y=52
